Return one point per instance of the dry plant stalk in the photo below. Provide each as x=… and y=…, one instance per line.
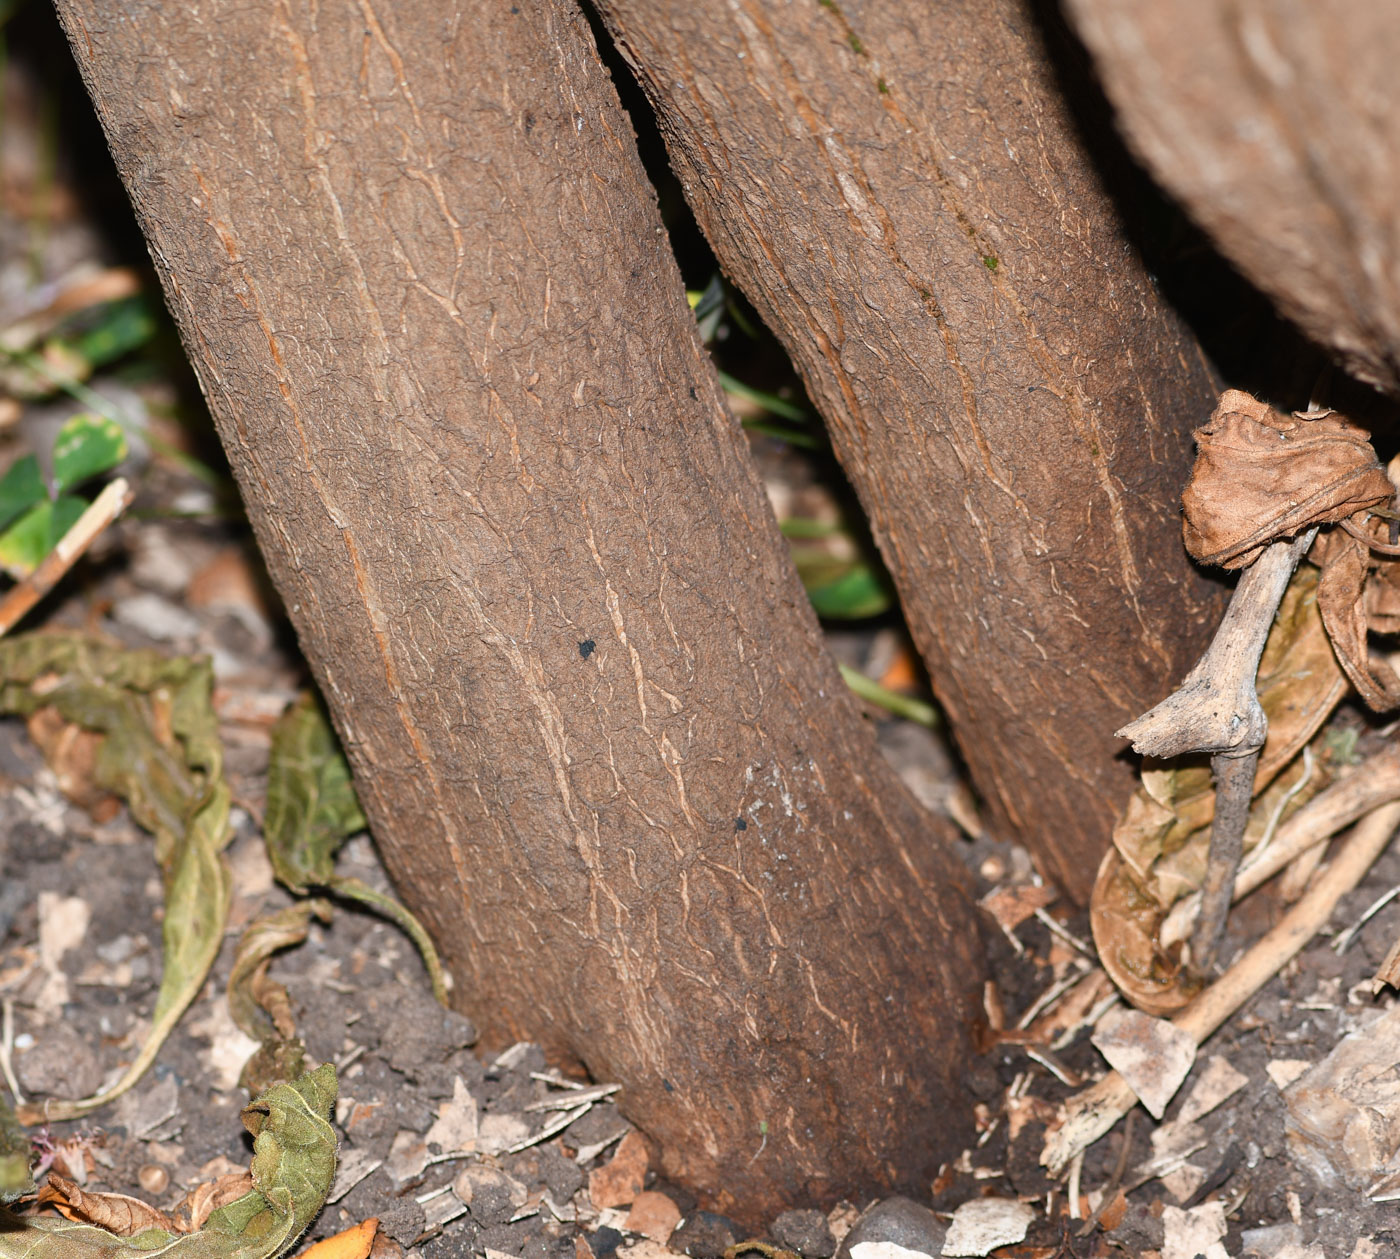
x=1217, y=711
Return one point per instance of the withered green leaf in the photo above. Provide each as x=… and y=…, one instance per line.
x=160, y=752
x=292, y=1168
x=259, y=1005
x=312, y=809
x=15, y=1180
x=311, y=803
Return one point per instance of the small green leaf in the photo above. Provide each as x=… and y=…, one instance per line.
x=86, y=446
x=311, y=803
x=25, y=543
x=20, y=488
x=312, y=810
x=860, y=593
x=107, y=331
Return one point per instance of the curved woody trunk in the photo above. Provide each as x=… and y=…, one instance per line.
x=422, y=278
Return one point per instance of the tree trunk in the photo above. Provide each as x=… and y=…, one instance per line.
x=1278, y=126
x=902, y=194
x=423, y=281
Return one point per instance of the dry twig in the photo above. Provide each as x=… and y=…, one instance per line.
x=1217, y=711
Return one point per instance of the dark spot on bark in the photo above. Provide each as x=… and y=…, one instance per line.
x=693, y=395
x=668, y=1086
x=740, y=824
x=585, y=648
x=529, y=121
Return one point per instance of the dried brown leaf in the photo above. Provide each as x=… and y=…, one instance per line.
x=1261, y=475
x=192, y=1212
x=116, y=1212
x=1346, y=563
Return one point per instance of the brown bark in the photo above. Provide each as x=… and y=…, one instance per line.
x=902, y=194
x=1277, y=124
x=423, y=281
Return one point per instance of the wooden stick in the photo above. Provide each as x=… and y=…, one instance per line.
x=1092, y=1113
x=1217, y=709
x=1371, y=784
x=108, y=505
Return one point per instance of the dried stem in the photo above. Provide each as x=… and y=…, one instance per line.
x=1217, y=710
x=108, y=505
x=1234, y=789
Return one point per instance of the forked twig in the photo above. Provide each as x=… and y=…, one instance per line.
x=1217, y=711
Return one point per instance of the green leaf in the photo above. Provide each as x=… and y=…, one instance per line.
x=109, y=330
x=312, y=810
x=859, y=593
x=161, y=753
x=15, y=1178
x=25, y=543
x=86, y=446
x=20, y=488
x=292, y=1168
x=311, y=803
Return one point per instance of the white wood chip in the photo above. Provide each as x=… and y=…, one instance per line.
x=1152, y=1055
x=1218, y=1082
x=567, y=1101
x=983, y=1224
x=1194, y=1233
x=886, y=1250
x=1283, y=1071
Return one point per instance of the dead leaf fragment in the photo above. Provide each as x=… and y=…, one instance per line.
x=983, y=1224
x=1261, y=475
x=1194, y=1233
x=1347, y=565
x=1217, y=1083
x=653, y=1215
x=116, y=1212
x=454, y=1131
x=1152, y=1055
x=618, y=1182
x=354, y=1243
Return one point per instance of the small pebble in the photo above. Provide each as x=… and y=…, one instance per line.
x=806, y=1232
x=153, y=1178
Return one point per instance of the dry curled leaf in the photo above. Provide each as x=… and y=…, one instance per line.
x=1261, y=475
x=1343, y=595
x=116, y=1212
